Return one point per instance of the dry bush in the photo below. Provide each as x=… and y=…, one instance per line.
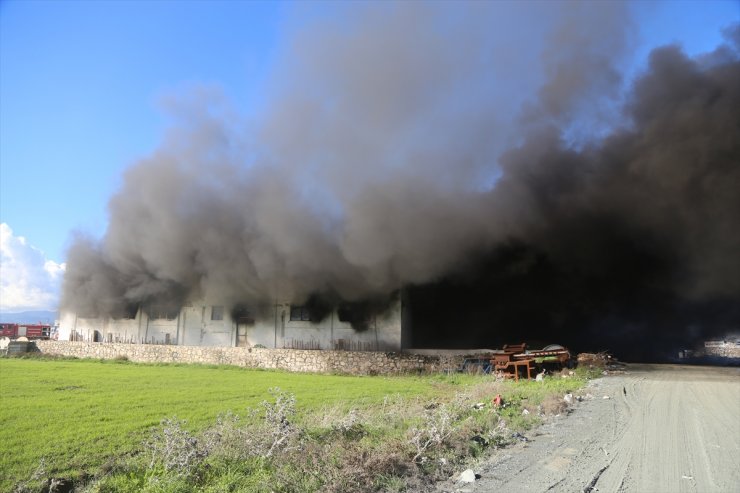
x=338, y=466
x=483, y=392
x=387, y=461
x=30, y=484
x=436, y=427
x=553, y=405
x=268, y=431
x=175, y=448
x=366, y=450
x=230, y=439
x=278, y=427
x=350, y=426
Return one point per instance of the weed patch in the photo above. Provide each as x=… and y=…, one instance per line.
x=132, y=427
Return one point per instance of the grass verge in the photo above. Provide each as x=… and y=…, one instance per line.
x=118, y=426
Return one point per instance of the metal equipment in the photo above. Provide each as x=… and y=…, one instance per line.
x=516, y=358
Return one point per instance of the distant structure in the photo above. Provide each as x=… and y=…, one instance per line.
x=723, y=349
x=727, y=348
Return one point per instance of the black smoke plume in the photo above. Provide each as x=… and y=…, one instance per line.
x=485, y=160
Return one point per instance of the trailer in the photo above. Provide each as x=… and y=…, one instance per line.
x=516, y=359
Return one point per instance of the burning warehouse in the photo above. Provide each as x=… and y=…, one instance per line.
x=559, y=198
x=280, y=325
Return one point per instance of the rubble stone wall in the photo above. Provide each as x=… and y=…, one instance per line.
x=344, y=362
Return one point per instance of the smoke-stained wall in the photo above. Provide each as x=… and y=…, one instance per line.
x=489, y=158
x=269, y=326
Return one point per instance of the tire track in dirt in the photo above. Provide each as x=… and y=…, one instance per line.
x=663, y=428
x=679, y=413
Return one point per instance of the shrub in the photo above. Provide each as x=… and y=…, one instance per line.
x=436, y=427
x=174, y=448
x=403, y=444
x=350, y=427
x=279, y=429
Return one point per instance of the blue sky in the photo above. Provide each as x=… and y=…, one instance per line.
x=81, y=86
x=81, y=83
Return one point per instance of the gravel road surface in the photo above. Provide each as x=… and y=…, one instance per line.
x=663, y=428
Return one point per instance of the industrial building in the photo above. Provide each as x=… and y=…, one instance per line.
x=280, y=325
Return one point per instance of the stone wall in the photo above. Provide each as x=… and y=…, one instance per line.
x=345, y=362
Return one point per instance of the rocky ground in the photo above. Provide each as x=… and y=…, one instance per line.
x=653, y=428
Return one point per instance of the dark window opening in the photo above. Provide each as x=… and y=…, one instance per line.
x=300, y=313
x=360, y=315
x=158, y=312
x=128, y=312
x=217, y=313
x=315, y=309
x=242, y=314
x=131, y=311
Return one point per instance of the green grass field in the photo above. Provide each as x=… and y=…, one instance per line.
x=83, y=417
x=77, y=414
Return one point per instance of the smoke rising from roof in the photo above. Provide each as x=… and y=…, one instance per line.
x=409, y=144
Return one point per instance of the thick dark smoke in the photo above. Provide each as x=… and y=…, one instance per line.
x=487, y=160
x=631, y=243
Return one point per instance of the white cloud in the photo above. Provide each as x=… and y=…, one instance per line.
x=28, y=280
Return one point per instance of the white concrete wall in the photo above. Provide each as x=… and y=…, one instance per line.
x=72, y=327
x=157, y=330
x=194, y=327
x=219, y=332
x=66, y=324
x=272, y=328
x=266, y=328
x=383, y=333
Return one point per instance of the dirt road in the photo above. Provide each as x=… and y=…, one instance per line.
x=663, y=428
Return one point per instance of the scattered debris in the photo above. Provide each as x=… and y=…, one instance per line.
x=525, y=412
x=519, y=437
x=467, y=476
x=498, y=401
x=568, y=398
x=566, y=373
x=480, y=440
x=592, y=485
x=687, y=477
x=593, y=360
x=606, y=397
x=60, y=485
x=603, y=360
x=479, y=406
